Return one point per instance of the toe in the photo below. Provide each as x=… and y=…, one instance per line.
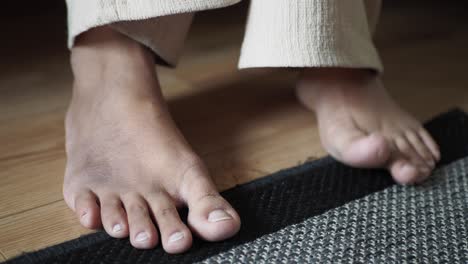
x=404, y=150
x=175, y=235
x=404, y=172
x=210, y=216
x=143, y=233
x=421, y=149
x=87, y=209
x=430, y=143
x=365, y=151
x=113, y=216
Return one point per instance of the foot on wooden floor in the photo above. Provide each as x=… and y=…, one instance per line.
x=128, y=165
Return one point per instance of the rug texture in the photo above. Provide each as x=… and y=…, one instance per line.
x=324, y=212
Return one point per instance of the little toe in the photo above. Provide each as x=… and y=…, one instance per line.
x=210, y=216
x=404, y=172
x=430, y=143
x=365, y=151
x=421, y=149
x=87, y=209
x=143, y=233
x=113, y=216
x=175, y=235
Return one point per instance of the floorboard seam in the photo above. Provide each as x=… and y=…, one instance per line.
x=2, y=255
x=30, y=209
x=48, y=151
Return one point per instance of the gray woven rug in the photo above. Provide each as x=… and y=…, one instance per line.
x=323, y=212
x=415, y=224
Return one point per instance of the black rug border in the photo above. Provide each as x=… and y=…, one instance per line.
x=82, y=242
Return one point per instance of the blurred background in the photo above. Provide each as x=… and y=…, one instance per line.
x=245, y=124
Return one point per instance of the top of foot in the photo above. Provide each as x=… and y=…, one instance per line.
x=362, y=126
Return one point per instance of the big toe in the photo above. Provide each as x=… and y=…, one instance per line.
x=211, y=217
x=364, y=151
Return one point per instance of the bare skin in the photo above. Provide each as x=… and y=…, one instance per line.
x=362, y=126
x=128, y=165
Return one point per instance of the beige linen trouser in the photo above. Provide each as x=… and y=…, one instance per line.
x=279, y=33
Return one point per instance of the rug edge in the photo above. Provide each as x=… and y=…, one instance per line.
x=86, y=240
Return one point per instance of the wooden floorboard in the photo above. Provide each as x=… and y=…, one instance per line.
x=38, y=227
x=245, y=124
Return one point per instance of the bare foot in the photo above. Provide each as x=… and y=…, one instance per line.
x=128, y=165
x=362, y=126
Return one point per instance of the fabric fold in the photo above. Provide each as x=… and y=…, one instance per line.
x=160, y=25
x=309, y=33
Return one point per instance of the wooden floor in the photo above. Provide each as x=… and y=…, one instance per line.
x=245, y=124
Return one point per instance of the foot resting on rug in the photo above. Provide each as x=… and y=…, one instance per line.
x=128, y=165
x=362, y=126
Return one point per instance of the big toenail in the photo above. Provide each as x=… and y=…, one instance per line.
x=218, y=215
x=117, y=228
x=143, y=236
x=176, y=237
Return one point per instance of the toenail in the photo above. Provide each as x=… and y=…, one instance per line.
x=219, y=215
x=143, y=236
x=117, y=228
x=176, y=237
x=85, y=217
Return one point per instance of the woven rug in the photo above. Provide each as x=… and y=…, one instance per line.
x=324, y=212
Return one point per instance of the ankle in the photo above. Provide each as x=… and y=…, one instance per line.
x=105, y=59
x=107, y=44
x=334, y=74
x=317, y=86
